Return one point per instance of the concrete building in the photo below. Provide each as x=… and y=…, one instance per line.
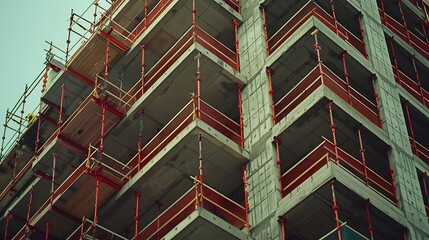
x=226, y=119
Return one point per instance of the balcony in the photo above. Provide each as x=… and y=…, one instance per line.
x=405, y=24
x=297, y=74
x=303, y=150
x=297, y=14
x=74, y=197
x=194, y=200
x=362, y=220
x=416, y=125
x=409, y=72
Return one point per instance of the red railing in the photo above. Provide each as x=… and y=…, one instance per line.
x=409, y=37
x=420, y=151
x=324, y=153
x=411, y=87
x=195, y=197
x=188, y=114
x=175, y=52
x=312, y=81
x=235, y=4
x=311, y=9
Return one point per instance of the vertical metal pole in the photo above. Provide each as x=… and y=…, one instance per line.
x=68, y=37
x=45, y=78
x=282, y=226
x=246, y=197
x=417, y=74
x=200, y=156
x=194, y=14
x=336, y=209
x=136, y=217
x=373, y=78
x=106, y=60
x=15, y=160
x=198, y=78
x=240, y=111
x=47, y=231
x=237, y=52
x=21, y=115
x=279, y=164
x=8, y=217
x=103, y=122
x=265, y=26
x=270, y=79
x=362, y=35
x=317, y=49
x=383, y=19
x=39, y=123
x=368, y=216
x=395, y=60
x=4, y=132
x=60, y=115
x=410, y=124
x=425, y=190
x=334, y=16
x=143, y=65
x=346, y=76
x=362, y=154
x=95, y=16
x=53, y=178
x=30, y=204
x=146, y=10
x=392, y=176
x=97, y=188
x=140, y=143
x=332, y=126
x=404, y=22
x=158, y=224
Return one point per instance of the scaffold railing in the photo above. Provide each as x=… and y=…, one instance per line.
x=412, y=87
x=315, y=79
x=311, y=9
x=193, y=35
x=419, y=150
x=402, y=32
x=200, y=195
x=89, y=230
x=178, y=123
x=18, y=118
x=324, y=153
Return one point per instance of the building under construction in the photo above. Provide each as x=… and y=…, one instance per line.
x=225, y=119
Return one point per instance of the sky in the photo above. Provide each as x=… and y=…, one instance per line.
x=24, y=26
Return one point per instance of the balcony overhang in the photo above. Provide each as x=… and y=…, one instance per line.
x=204, y=224
x=350, y=194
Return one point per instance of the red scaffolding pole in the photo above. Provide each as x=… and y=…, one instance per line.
x=200, y=156
x=334, y=16
x=417, y=74
x=97, y=188
x=282, y=226
x=140, y=143
x=60, y=115
x=246, y=197
x=392, y=176
x=136, y=217
x=68, y=36
x=237, y=52
x=362, y=34
x=47, y=231
x=9, y=216
x=270, y=79
x=265, y=26
x=279, y=164
x=410, y=124
x=240, y=111
x=373, y=78
x=368, y=216
x=30, y=202
x=317, y=48
x=362, y=154
x=336, y=210
x=404, y=22
x=53, y=178
x=332, y=126
x=143, y=65
x=346, y=76
x=198, y=79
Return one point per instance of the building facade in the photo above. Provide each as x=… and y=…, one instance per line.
x=226, y=119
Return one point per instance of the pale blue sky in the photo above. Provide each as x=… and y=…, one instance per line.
x=24, y=26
